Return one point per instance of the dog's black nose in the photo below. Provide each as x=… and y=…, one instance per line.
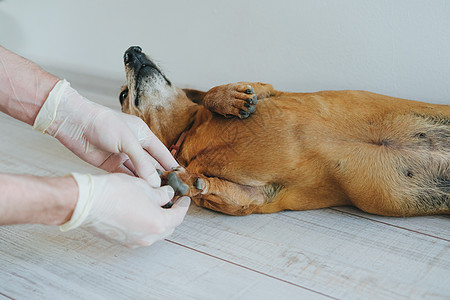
x=130, y=53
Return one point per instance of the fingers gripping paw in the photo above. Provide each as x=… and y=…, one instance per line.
x=183, y=183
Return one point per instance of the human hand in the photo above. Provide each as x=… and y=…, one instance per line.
x=125, y=209
x=112, y=141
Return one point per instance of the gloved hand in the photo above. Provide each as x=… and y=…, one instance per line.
x=125, y=209
x=101, y=136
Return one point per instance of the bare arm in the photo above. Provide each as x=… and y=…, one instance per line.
x=24, y=86
x=36, y=200
x=122, y=143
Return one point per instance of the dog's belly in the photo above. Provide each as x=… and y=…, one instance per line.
x=355, y=143
x=251, y=151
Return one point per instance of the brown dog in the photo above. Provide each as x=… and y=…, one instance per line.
x=297, y=151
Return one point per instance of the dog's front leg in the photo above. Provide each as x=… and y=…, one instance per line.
x=215, y=193
x=195, y=96
x=236, y=99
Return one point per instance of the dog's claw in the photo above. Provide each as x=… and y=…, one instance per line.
x=244, y=114
x=198, y=184
x=253, y=100
x=168, y=204
x=250, y=90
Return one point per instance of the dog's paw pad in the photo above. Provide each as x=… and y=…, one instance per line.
x=251, y=109
x=178, y=186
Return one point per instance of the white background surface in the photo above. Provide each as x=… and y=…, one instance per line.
x=400, y=48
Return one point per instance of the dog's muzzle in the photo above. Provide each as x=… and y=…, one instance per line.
x=135, y=59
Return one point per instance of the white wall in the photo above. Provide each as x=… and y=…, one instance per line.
x=397, y=47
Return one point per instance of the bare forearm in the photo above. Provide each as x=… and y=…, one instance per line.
x=28, y=199
x=24, y=86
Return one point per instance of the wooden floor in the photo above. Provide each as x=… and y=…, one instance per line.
x=337, y=253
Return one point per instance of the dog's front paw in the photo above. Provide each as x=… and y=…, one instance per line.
x=182, y=182
x=232, y=100
x=244, y=100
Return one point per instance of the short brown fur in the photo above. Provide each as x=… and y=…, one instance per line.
x=300, y=151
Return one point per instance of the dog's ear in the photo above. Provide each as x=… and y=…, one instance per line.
x=195, y=95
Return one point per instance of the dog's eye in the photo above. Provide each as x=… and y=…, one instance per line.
x=123, y=96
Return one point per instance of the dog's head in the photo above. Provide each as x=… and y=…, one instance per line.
x=148, y=93
x=147, y=87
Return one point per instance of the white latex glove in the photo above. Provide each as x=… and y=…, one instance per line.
x=125, y=209
x=101, y=136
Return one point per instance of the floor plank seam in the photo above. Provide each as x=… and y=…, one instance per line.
x=392, y=225
x=250, y=269
x=6, y=296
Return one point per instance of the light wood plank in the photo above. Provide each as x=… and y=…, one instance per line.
x=437, y=226
x=38, y=262
x=328, y=251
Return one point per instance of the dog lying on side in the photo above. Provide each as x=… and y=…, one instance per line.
x=247, y=148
